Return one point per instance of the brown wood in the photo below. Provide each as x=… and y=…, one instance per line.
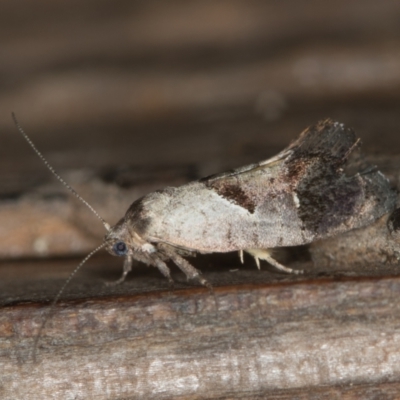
x=246, y=340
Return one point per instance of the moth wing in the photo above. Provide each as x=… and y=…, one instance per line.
x=317, y=187
x=329, y=140
x=249, y=168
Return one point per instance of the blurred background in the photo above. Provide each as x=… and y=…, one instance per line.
x=124, y=97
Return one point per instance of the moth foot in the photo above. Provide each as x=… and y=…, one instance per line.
x=117, y=282
x=265, y=254
x=126, y=269
x=193, y=274
x=171, y=283
x=205, y=283
x=171, y=286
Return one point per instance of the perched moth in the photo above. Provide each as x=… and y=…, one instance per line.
x=316, y=188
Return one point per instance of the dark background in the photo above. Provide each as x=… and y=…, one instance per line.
x=214, y=83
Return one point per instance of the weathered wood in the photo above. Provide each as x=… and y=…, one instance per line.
x=245, y=341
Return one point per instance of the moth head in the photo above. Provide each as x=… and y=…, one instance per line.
x=119, y=248
x=121, y=241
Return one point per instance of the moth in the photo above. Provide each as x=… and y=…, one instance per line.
x=318, y=187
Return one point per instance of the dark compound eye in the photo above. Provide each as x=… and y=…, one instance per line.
x=120, y=248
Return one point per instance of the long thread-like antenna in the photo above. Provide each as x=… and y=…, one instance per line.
x=73, y=191
x=53, y=171
x=55, y=300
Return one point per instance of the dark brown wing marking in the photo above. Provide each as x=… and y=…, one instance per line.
x=234, y=193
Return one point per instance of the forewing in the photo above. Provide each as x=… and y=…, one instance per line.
x=316, y=180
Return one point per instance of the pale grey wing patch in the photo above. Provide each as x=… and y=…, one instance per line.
x=181, y=250
x=246, y=186
x=252, y=188
x=265, y=254
x=283, y=155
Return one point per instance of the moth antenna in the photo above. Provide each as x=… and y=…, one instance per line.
x=55, y=300
x=54, y=172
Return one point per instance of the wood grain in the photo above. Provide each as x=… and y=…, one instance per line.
x=250, y=340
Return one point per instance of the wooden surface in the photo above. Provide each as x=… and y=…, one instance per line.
x=127, y=97
x=244, y=342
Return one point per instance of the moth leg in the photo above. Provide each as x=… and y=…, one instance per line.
x=162, y=267
x=265, y=254
x=241, y=256
x=126, y=269
x=188, y=269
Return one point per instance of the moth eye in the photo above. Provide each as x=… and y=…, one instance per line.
x=120, y=248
